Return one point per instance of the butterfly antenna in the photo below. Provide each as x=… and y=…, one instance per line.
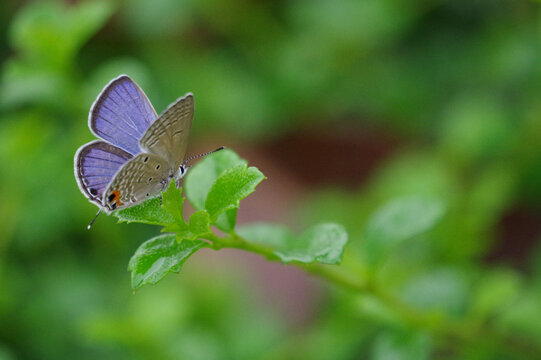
x=95, y=217
x=201, y=155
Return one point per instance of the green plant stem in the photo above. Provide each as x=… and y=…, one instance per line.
x=458, y=330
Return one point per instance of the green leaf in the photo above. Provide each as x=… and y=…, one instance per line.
x=51, y=33
x=399, y=345
x=200, y=222
x=202, y=176
x=159, y=256
x=323, y=243
x=495, y=291
x=274, y=236
x=172, y=202
x=398, y=221
x=198, y=226
x=230, y=188
x=166, y=212
x=149, y=212
x=444, y=289
x=226, y=221
x=522, y=317
x=374, y=309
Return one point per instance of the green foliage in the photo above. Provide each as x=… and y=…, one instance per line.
x=398, y=221
x=47, y=37
x=442, y=259
x=203, y=176
x=399, y=345
x=439, y=289
x=172, y=203
x=149, y=212
x=38, y=28
x=200, y=178
x=159, y=256
x=225, y=188
x=495, y=292
x=323, y=243
x=230, y=188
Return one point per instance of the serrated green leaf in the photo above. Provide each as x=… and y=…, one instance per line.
x=202, y=176
x=398, y=221
x=199, y=222
x=200, y=179
x=230, y=188
x=323, y=243
x=149, y=212
x=166, y=212
x=159, y=256
x=172, y=201
x=198, y=226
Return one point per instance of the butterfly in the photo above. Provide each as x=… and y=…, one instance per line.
x=139, y=153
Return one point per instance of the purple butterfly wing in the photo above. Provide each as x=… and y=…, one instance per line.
x=96, y=163
x=121, y=114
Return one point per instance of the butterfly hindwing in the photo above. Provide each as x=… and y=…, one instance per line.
x=167, y=136
x=143, y=177
x=121, y=114
x=96, y=163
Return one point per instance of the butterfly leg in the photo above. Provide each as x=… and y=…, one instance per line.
x=177, y=183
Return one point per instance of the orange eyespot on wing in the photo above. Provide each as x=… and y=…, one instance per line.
x=114, y=199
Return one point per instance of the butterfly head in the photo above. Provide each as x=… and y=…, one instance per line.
x=182, y=170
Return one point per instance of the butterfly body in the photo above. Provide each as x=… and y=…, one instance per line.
x=141, y=152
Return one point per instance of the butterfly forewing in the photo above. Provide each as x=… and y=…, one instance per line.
x=96, y=163
x=167, y=136
x=145, y=176
x=121, y=114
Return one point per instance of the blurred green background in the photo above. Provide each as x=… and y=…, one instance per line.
x=348, y=107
